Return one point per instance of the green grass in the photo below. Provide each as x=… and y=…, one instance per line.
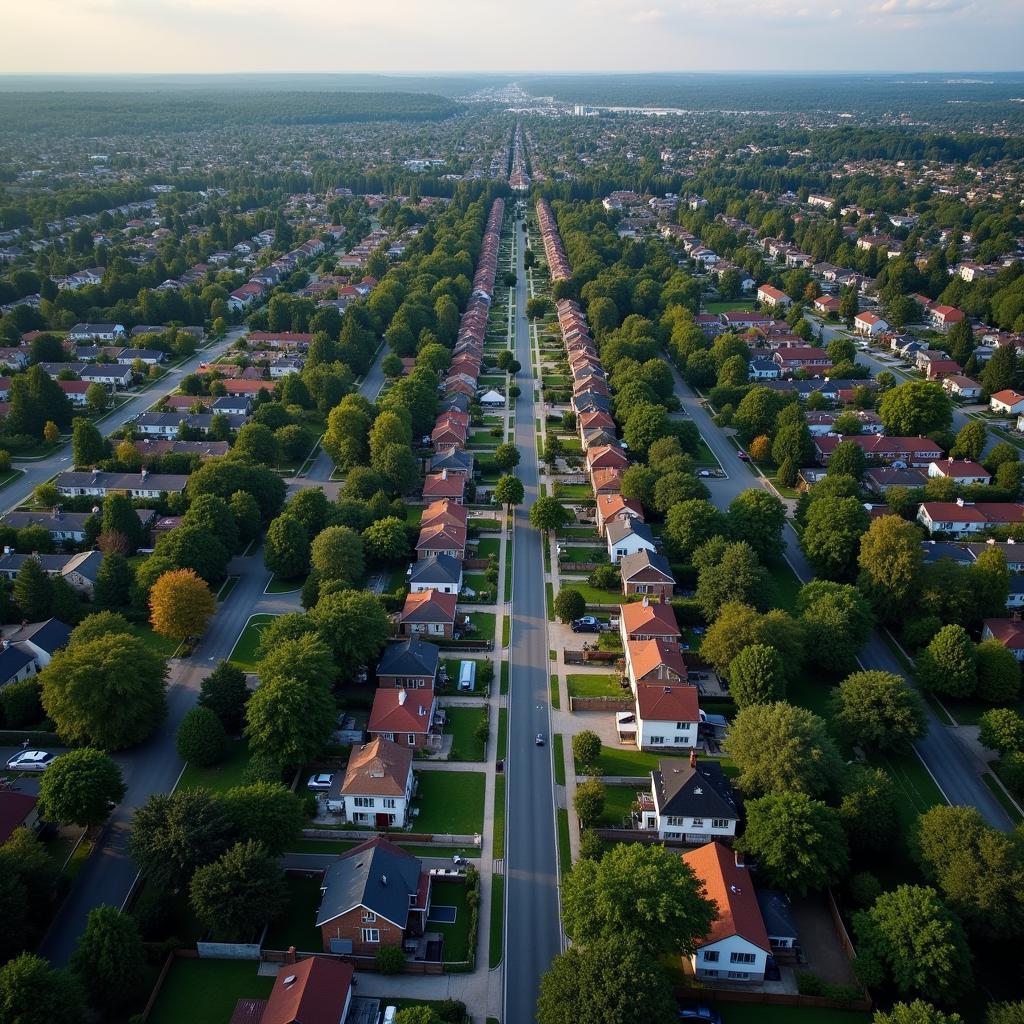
x=296, y=926
x=504, y=665
x=462, y=724
x=581, y=491
x=508, y=569
x=498, y=837
x=618, y=804
x=787, y=585
x=558, y=753
x=969, y=712
x=549, y=600
x=724, y=307
x=487, y=547
x=278, y=585
x=915, y=789
x=564, y=843
x=502, y=732
x=340, y=846
x=456, y=934
x=1008, y=805
x=575, y=554
x=626, y=761
x=578, y=533
x=593, y=595
x=497, y=920
x=219, y=777
x=556, y=697
x=161, y=645
x=413, y=514
x=705, y=456
x=243, y=654
x=595, y=684
x=205, y=991
x=450, y=802
x=484, y=623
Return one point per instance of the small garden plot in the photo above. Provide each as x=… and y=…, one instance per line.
x=463, y=724
x=484, y=439
x=577, y=554
x=594, y=684
x=574, y=491
x=482, y=626
x=618, y=805
x=626, y=762
x=448, y=900
x=594, y=595
x=206, y=991
x=450, y=803
x=487, y=547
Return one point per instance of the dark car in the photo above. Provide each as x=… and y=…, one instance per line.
x=743, y=456
x=588, y=624
x=699, y=1011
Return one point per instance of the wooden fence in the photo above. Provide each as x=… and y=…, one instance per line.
x=584, y=657
x=600, y=703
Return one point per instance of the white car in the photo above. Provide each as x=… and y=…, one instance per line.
x=31, y=761
x=322, y=780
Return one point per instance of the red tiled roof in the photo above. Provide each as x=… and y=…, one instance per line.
x=657, y=703
x=14, y=809
x=653, y=619
x=401, y=711
x=429, y=606
x=313, y=991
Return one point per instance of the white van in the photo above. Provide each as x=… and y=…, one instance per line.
x=390, y=1012
x=467, y=675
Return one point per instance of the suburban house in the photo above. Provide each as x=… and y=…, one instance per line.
x=1008, y=402
x=737, y=947
x=963, y=471
x=612, y=507
x=959, y=386
x=439, y=572
x=17, y=810
x=689, y=802
x=626, y=537
x=97, y=484
x=771, y=296
x=882, y=478
x=93, y=332
x=62, y=526
x=869, y=324
x=667, y=716
x=943, y=317
x=428, y=612
x=374, y=895
x=642, y=620
x=647, y=573
x=443, y=528
x=912, y=451
x=378, y=785
x=411, y=664
x=606, y=456
x=403, y=716
x=940, y=369
x=763, y=369
x=27, y=649
x=961, y=517
x=654, y=663
x=312, y=991
x=802, y=357
x=1009, y=632
x=79, y=570
x=445, y=485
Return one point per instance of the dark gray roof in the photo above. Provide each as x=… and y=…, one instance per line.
x=453, y=459
x=702, y=792
x=436, y=569
x=412, y=657
x=449, y=402
x=377, y=875
x=47, y=636
x=777, y=914
x=12, y=660
x=631, y=564
x=619, y=528
x=935, y=551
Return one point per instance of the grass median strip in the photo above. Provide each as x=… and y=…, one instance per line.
x=564, y=843
x=499, y=817
x=558, y=752
x=497, y=919
x=556, y=700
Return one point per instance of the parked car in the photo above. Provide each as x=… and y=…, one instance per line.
x=587, y=624
x=704, y=472
x=699, y=1011
x=459, y=861
x=31, y=761
x=322, y=780
x=744, y=457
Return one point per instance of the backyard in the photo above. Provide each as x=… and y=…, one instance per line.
x=450, y=803
x=463, y=724
x=594, y=684
x=456, y=934
x=297, y=925
x=205, y=991
x=219, y=777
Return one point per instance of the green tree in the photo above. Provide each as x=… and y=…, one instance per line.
x=947, y=665
x=548, y=513
x=286, y=549
x=98, y=624
x=386, y=540
x=506, y=456
x=1002, y=729
x=832, y=536
x=354, y=623
x=915, y=408
x=868, y=809
x=1004, y=1013
x=799, y=843
x=290, y=720
x=107, y=693
x=337, y=554
x=586, y=748
x=840, y=612
x=638, y=483
x=88, y=445
x=600, y=901
x=878, y=710
x=757, y=517
x=109, y=959
x=33, y=591
x=120, y=518
x=757, y=676
x=266, y=812
x=508, y=491
x=224, y=692
x=569, y=604
x=201, y=738
x=890, y=562
x=238, y=893
x=779, y=748
x=848, y=459
x=80, y=787
x=588, y=801
x=32, y=992
x=113, y=588
x=691, y=523
x=246, y=512
x=917, y=1012
x=213, y=513
x=644, y=425
x=970, y=441
x=1000, y=371
x=998, y=672
x=736, y=576
x=307, y=658
x=910, y=939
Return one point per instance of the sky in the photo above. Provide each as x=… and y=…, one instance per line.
x=417, y=36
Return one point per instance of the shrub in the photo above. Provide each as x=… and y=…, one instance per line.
x=809, y=984
x=1011, y=771
x=201, y=738
x=261, y=768
x=864, y=888
x=586, y=748
x=20, y=703
x=390, y=960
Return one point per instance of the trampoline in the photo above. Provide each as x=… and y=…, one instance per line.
x=442, y=915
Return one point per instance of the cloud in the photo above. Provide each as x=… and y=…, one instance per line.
x=913, y=8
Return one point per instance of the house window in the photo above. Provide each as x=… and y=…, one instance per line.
x=741, y=958
x=412, y=739
x=683, y=726
x=709, y=974
x=369, y=917
x=389, y=736
x=364, y=801
x=389, y=803
x=657, y=740
x=719, y=822
x=738, y=975
x=699, y=823
x=711, y=956
x=642, y=588
x=371, y=935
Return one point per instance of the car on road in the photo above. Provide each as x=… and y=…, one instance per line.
x=540, y=739
x=699, y=1011
x=322, y=780
x=31, y=761
x=587, y=624
x=743, y=456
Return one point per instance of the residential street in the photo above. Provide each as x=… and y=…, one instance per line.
x=532, y=921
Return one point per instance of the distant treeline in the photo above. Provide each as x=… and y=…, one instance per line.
x=102, y=113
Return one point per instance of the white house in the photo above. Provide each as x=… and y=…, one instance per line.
x=963, y=471
x=627, y=537
x=666, y=717
x=769, y=295
x=737, y=947
x=378, y=785
x=1008, y=402
x=963, y=387
x=965, y=517
x=869, y=324
x=689, y=802
x=88, y=332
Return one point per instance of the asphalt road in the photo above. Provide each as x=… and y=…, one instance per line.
x=532, y=924
x=40, y=470
x=952, y=765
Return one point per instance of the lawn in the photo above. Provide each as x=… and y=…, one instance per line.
x=618, y=804
x=487, y=547
x=594, y=684
x=279, y=585
x=578, y=491
x=502, y=732
x=915, y=789
x=158, y=644
x=626, y=761
x=564, y=841
x=498, y=829
x=450, y=802
x=787, y=585
x=724, y=307
x=999, y=793
x=205, y=991
x=296, y=926
x=456, y=934
x=576, y=554
x=219, y=777
x=243, y=654
x=483, y=625
x=417, y=849
x=497, y=919
x=462, y=724
x=593, y=595
x=558, y=754
x=969, y=712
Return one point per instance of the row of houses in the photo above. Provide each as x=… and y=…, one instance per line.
x=272, y=275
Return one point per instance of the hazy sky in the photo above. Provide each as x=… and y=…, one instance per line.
x=524, y=35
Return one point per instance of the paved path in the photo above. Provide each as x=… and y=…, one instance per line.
x=532, y=923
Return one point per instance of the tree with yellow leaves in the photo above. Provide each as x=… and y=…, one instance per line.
x=180, y=604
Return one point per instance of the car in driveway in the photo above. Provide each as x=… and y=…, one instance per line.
x=31, y=761
x=586, y=624
x=320, y=781
x=699, y=1012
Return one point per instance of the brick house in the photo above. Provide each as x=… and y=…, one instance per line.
x=654, y=663
x=401, y=718
x=408, y=664
x=428, y=612
x=611, y=507
x=648, y=573
x=372, y=896
x=644, y=620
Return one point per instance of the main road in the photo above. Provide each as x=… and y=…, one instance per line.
x=950, y=762
x=533, y=934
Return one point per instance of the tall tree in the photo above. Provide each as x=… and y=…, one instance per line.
x=915, y=408
x=890, y=563
x=109, y=959
x=180, y=605
x=946, y=665
x=879, y=711
x=80, y=788
x=290, y=720
x=224, y=692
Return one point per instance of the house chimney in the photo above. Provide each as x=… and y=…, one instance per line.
x=693, y=757
x=403, y=696
x=289, y=957
x=444, y=474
